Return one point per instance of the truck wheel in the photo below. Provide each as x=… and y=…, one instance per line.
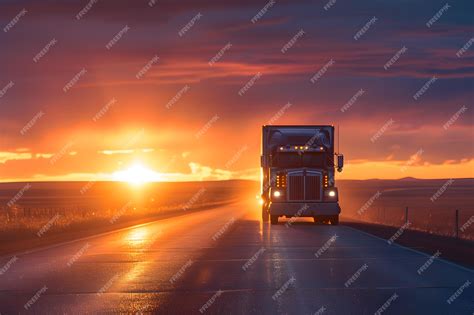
x=274, y=219
x=335, y=220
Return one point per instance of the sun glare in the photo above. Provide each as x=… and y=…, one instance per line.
x=137, y=174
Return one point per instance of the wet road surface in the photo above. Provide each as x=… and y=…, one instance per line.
x=225, y=261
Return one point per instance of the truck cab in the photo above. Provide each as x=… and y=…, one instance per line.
x=298, y=173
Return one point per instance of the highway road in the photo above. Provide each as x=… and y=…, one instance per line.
x=225, y=261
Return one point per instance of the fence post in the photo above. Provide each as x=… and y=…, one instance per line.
x=406, y=215
x=456, y=226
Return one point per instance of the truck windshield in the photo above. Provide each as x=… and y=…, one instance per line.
x=294, y=160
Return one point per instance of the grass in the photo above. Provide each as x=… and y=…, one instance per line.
x=425, y=213
x=49, y=209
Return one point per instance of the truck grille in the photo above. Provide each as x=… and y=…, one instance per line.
x=313, y=187
x=304, y=187
x=296, y=187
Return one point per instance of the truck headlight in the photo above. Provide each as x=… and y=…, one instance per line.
x=276, y=193
x=331, y=194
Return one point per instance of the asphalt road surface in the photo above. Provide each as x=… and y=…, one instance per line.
x=225, y=261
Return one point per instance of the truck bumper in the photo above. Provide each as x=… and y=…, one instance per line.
x=302, y=209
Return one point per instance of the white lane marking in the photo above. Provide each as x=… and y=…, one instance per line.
x=413, y=250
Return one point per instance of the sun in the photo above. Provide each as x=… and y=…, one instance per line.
x=137, y=174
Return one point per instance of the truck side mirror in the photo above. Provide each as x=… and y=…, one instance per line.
x=340, y=162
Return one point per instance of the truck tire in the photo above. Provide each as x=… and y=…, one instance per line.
x=273, y=219
x=335, y=220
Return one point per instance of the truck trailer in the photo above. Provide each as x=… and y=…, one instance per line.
x=298, y=173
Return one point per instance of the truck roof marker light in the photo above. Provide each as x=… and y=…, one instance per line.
x=282, y=148
x=306, y=147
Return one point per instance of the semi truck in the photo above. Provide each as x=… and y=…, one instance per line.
x=298, y=173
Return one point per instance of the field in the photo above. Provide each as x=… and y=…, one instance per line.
x=432, y=204
x=40, y=210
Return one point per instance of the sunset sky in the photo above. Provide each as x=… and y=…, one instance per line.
x=91, y=88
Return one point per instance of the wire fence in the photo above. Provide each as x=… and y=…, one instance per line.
x=457, y=223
